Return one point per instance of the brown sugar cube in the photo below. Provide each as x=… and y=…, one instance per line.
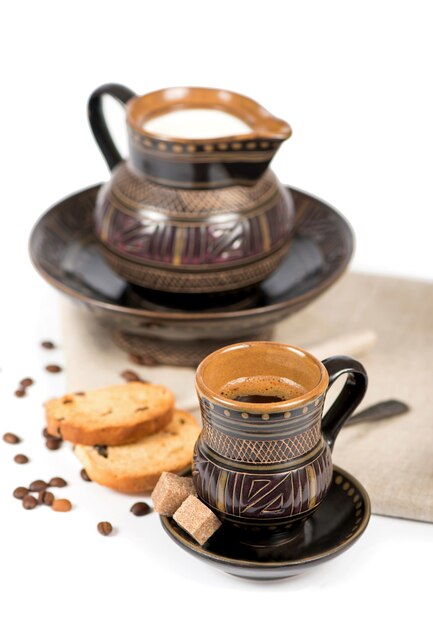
x=198, y=521
x=170, y=491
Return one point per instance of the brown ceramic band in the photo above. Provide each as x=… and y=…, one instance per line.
x=203, y=389
x=263, y=124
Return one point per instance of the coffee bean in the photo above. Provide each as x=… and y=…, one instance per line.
x=26, y=382
x=53, y=369
x=79, y=393
x=48, y=435
x=21, y=459
x=53, y=443
x=48, y=345
x=20, y=393
x=20, y=492
x=85, y=476
x=38, y=485
x=61, y=506
x=46, y=497
x=11, y=438
x=57, y=482
x=140, y=508
x=29, y=502
x=130, y=376
x=105, y=528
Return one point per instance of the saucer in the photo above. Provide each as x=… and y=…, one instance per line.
x=181, y=330
x=333, y=528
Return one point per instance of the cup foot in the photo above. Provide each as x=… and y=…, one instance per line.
x=264, y=544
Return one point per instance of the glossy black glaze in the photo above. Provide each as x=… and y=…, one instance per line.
x=97, y=120
x=331, y=529
x=199, y=175
x=350, y=396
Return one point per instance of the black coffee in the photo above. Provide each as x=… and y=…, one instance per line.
x=258, y=399
x=262, y=389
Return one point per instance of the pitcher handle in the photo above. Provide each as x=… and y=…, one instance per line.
x=349, y=398
x=97, y=119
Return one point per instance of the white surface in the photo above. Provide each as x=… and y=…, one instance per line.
x=197, y=124
x=354, y=81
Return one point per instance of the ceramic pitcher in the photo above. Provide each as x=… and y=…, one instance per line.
x=192, y=215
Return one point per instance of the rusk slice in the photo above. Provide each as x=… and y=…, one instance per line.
x=110, y=416
x=136, y=467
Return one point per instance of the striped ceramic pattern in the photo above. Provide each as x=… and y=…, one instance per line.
x=168, y=237
x=261, y=426
x=262, y=497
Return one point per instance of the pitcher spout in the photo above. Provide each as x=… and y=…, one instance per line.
x=215, y=159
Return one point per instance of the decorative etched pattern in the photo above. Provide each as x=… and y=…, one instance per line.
x=171, y=239
x=357, y=498
x=128, y=187
x=209, y=234
x=188, y=282
x=210, y=149
x=250, y=451
x=322, y=231
x=262, y=497
x=258, y=426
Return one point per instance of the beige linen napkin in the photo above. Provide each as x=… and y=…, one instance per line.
x=392, y=458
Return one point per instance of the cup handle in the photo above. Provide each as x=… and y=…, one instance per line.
x=350, y=396
x=97, y=120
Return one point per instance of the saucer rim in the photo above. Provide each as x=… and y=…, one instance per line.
x=174, y=316
x=200, y=551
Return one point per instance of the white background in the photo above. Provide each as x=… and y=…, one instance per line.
x=354, y=79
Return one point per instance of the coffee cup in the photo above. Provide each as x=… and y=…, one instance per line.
x=263, y=458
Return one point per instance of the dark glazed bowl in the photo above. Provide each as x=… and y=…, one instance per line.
x=181, y=330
